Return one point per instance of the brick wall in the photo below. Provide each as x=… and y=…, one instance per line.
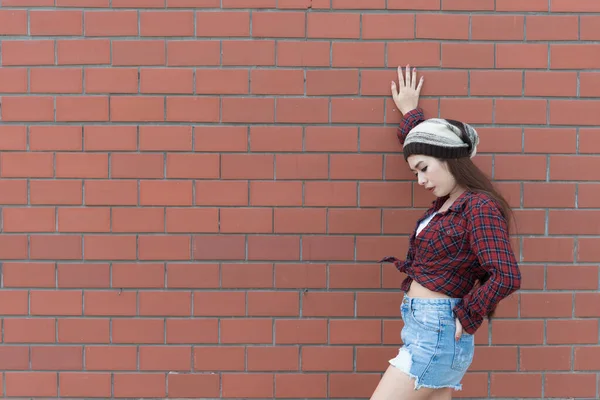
x=194, y=192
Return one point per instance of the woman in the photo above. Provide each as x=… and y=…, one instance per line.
x=459, y=263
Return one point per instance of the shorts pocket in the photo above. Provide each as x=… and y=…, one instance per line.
x=426, y=320
x=464, y=349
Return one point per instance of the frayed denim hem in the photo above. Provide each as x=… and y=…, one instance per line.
x=403, y=361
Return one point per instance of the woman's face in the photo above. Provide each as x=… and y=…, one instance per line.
x=433, y=174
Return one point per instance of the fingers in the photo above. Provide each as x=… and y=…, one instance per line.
x=400, y=77
x=458, y=332
x=420, y=85
x=408, y=76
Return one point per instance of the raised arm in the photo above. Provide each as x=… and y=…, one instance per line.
x=406, y=98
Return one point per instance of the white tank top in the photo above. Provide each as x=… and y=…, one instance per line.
x=424, y=223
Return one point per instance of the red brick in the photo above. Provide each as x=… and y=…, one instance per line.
x=247, y=110
x=31, y=384
x=355, y=110
x=440, y=26
x=259, y=53
x=29, y=52
x=358, y=54
x=127, y=109
x=39, y=219
x=518, y=5
x=225, y=193
x=85, y=383
x=67, y=138
x=83, y=275
x=280, y=24
x=30, y=109
x=302, y=110
x=543, y=27
x=81, y=165
x=221, y=138
x=228, y=81
x=469, y=110
x=303, y=54
x=56, y=23
x=511, y=384
x=246, y=220
x=333, y=25
x=29, y=330
x=133, y=53
x=85, y=51
x=247, y=385
x=497, y=27
x=225, y=247
x=113, y=80
x=59, y=192
x=574, y=6
x=268, y=248
x=13, y=80
x=190, y=53
x=228, y=24
x=222, y=358
x=284, y=82
x=138, y=331
x=305, y=385
x=193, y=385
x=299, y=275
x=495, y=83
x=467, y=55
x=321, y=358
x=56, y=302
x=521, y=55
x=166, y=23
x=13, y=22
x=139, y=384
x=59, y=80
x=171, y=80
x=570, y=385
x=275, y=193
x=173, y=358
x=111, y=23
x=82, y=109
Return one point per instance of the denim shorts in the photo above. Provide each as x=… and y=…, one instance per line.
x=430, y=353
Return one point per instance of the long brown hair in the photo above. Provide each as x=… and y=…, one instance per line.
x=470, y=177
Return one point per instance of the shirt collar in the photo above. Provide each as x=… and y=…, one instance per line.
x=456, y=206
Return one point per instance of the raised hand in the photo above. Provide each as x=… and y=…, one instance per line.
x=406, y=95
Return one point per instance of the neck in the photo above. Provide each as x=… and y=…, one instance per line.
x=455, y=193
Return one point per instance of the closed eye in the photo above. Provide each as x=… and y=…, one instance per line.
x=422, y=170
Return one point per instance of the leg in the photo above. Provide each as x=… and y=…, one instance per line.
x=396, y=385
x=441, y=394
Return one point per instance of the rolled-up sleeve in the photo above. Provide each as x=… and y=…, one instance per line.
x=410, y=120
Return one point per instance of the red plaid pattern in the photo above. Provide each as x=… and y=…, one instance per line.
x=458, y=247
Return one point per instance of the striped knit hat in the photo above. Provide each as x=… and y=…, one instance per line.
x=441, y=138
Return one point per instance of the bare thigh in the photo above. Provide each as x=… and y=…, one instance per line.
x=396, y=385
x=441, y=394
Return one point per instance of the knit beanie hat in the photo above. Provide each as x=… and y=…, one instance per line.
x=441, y=138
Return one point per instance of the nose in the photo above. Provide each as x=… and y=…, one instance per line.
x=421, y=180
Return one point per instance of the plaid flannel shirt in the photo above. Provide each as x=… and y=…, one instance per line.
x=458, y=247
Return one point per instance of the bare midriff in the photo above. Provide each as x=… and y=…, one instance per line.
x=417, y=290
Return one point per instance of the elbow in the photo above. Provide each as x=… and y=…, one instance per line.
x=514, y=280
